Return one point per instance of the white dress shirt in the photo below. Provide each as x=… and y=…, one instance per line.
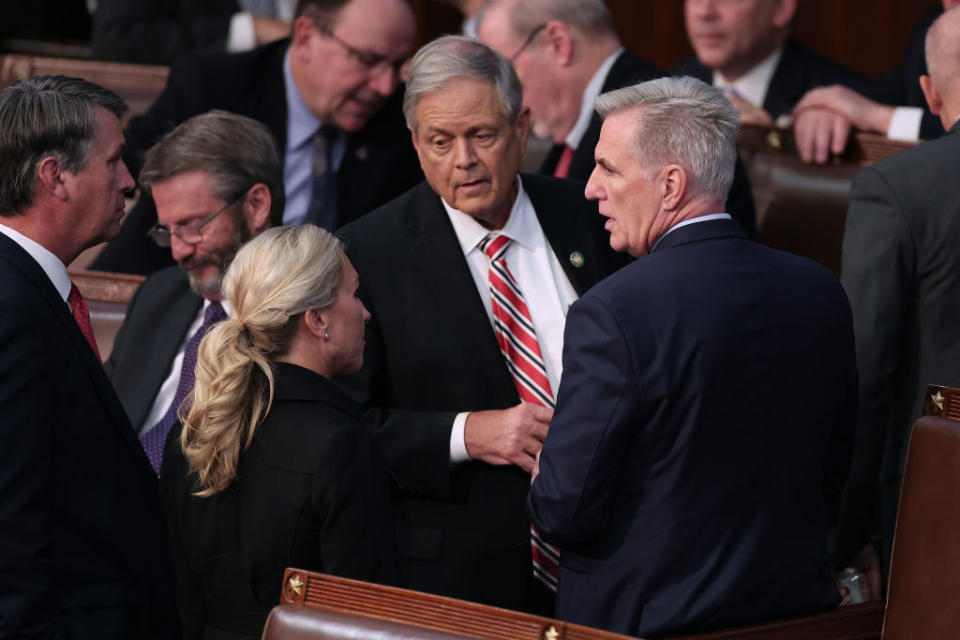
x=298, y=154
x=51, y=264
x=168, y=390
x=754, y=84
x=546, y=289
x=589, y=101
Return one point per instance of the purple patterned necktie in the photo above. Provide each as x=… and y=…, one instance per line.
x=154, y=439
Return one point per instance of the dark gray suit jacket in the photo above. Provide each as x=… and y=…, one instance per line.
x=432, y=353
x=901, y=270
x=154, y=328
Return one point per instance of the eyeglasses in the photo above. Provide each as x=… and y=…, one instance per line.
x=192, y=232
x=526, y=43
x=373, y=63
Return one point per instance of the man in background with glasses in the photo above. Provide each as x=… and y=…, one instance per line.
x=328, y=94
x=566, y=53
x=217, y=181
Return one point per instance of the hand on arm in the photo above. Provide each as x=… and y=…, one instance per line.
x=508, y=436
x=824, y=117
x=749, y=112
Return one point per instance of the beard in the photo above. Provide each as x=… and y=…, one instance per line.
x=209, y=286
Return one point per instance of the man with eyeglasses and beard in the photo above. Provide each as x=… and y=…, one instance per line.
x=217, y=182
x=328, y=95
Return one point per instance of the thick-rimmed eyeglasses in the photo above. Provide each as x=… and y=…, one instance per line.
x=371, y=62
x=526, y=43
x=192, y=232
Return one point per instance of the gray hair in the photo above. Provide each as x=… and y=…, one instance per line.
x=452, y=57
x=681, y=121
x=942, y=51
x=238, y=152
x=43, y=117
x=590, y=16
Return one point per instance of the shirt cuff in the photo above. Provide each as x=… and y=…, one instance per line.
x=241, y=36
x=458, y=448
x=905, y=124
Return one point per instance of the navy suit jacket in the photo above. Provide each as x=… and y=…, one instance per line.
x=83, y=549
x=707, y=402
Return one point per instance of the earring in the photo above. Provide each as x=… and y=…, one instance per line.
x=326, y=335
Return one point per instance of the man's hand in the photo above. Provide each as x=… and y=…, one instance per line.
x=266, y=29
x=536, y=466
x=508, y=436
x=824, y=116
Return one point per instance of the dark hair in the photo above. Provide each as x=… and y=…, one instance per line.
x=238, y=152
x=42, y=117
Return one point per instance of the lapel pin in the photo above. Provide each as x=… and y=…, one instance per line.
x=576, y=259
x=362, y=154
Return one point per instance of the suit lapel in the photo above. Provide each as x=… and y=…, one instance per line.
x=32, y=272
x=436, y=252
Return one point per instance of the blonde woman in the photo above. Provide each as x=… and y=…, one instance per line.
x=273, y=468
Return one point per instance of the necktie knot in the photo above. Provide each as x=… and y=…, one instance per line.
x=495, y=246
x=213, y=314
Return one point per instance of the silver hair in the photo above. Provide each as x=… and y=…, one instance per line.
x=453, y=57
x=681, y=121
x=238, y=152
x=590, y=16
x=43, y=117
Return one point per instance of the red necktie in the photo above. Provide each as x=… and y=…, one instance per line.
x=82, y=315
x=563, y=164
x=518, y=343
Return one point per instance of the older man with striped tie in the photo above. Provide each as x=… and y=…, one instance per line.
x=468, y=277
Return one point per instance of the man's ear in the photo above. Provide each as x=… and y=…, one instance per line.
x=784, y=13
x=934, y=99
x=559, y=40
x=256, y=208
x=523, y=126
x=50, y=177
x=303, y=28
x=673, y=186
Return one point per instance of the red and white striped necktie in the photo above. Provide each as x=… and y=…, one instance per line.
x=518, y=343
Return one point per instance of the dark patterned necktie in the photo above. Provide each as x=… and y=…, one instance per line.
x=517, y=338
x=154, y=439
x=322, y=210
x=82, y=315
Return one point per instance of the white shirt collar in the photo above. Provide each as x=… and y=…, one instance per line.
x=752, y=85
x=223, y=304
x=51, y=264
x=589, y=101
x=706, y=218
x=301, y=123
x=520, y=225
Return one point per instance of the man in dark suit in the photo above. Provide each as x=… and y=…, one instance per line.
x=437, y=383
x=566, y=53
x=744, y=48
x=328, y=97
x=83, y=551
x=217, y=180
x=901, y=269
x=707, y=396
x=892, y=104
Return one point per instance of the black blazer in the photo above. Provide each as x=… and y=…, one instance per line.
x=707, y=402
x=432, y=353
x=901, y=269
x=379, y=162
x=312, y=492
x=627, y=70
x=160, y=31
x=82, y=538
x=153, y=329
x=901, y=87
x=798, y=71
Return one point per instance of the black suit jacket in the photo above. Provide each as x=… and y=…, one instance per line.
x=153, y=329
x=379, y=162
x=432, y=353
x=312, y=492
x=901, y=270
x=901, y=87
x=160, y=31
x=627, y=70
x=798, y=71
x=707, y=402
x=82, y=538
